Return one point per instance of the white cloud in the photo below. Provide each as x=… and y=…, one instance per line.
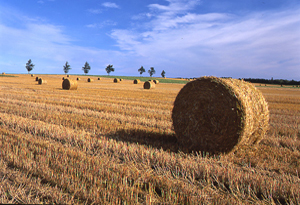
x=262, y=44
x=102, y=24
x=110, y=5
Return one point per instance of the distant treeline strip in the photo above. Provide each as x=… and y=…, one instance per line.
x=272, y=81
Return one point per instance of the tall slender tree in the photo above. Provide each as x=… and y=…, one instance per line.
x=67, y=67
x=86, y=68
x=163, y=73
x=29, y=66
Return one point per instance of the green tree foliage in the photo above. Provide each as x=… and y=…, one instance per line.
x=163, y=74
x=86, y=67
x=109, y=69
x=141, y=70
x=29, y=66
x=151, y=71
x=67, y=67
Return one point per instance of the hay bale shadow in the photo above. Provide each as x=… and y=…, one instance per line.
x=167, y=142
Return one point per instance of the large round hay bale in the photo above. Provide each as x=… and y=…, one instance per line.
x=149, y=85
x=116, y=80
x=136, y=81
x=90, y=80
x=156, y=81
x=218, y=115
x=69, y=84
x=42, y=81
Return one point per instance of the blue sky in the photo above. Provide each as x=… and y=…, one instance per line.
x=186, y=38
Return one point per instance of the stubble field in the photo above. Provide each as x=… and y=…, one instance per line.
x=113, y=143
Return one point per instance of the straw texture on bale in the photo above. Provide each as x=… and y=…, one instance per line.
x=218, y=115
x=136, y=81
x=156, y=81
x=69, y=84
x=116, y=80
x=37, y=79
x=149, y=85
x=90, y=80
x=42, y=81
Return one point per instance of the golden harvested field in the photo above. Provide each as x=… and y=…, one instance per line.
x=113, y=143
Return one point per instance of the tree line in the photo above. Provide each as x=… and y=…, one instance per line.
x=272, y=81
x=86, y=68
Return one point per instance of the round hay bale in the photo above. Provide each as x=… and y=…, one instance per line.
x=99, y=78
x=156, y=81
x=121, y=79
x=3, y=73
x=150, y=80
x=116, y=80
x=78, y=79
x=69, y=84
x=68, y=76
x=32, y=75
x=90, y=80
x=63, y=78
x=218, y=115
x=136, y=81
x=37, y=79
x=42, y=81
x=149, y=85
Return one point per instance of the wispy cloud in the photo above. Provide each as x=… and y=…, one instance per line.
x=260, y=44
x=95, y=11
x=102, y=24
x=110, y=5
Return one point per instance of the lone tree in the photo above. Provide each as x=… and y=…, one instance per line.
x=163, y=74
x=151, y=71
x=141, y=70
x=86, y=68
x=29, y=65
x=67, y=67
x=109, y=69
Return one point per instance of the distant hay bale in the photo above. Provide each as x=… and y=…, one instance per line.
x=90, y=80
x=69, y=84
x=42, y=81
x=156, y=81
x=32, y=75
x=136, y=81
x=218, y=115
x=121, y=79
x=149, y=85
x=63, y=78
x=116, y=80
x=37, y=79
x=3, y=73
x=150, y=81
x=99, y=78
x=78, y=79
x=68, y=76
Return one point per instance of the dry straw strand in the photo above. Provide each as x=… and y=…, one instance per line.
x=136, y=81
x=149, y=85
x=219, y=115
x=69, y=84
